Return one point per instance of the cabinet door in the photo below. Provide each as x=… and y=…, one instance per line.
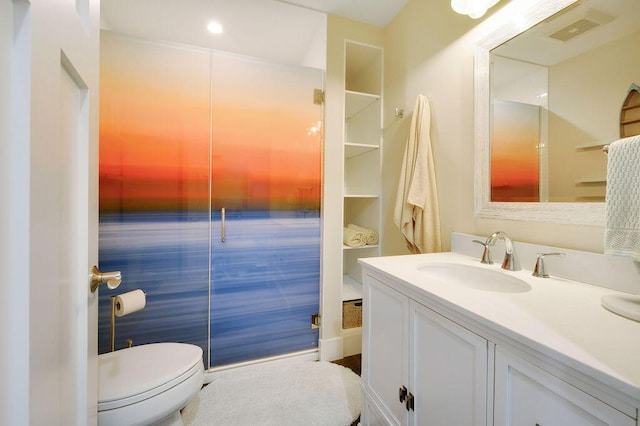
x=448, y=371
x=371, y=415
x=384, y=346
x=527, y=395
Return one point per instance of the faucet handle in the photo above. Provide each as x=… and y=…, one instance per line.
x=540, y=269
x=486, y=252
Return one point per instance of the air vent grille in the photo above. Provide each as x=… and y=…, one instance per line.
x=574, y=30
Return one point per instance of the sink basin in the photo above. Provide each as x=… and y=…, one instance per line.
x=475, y=277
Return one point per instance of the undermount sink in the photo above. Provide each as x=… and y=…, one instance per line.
x=475, y=277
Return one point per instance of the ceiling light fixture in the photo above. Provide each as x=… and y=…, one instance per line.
x=474, y=8
x=214, y=27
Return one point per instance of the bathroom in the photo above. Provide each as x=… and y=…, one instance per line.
x=428, y=49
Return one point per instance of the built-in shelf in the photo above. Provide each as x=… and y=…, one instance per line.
x=362, y=142
x=367, y=246
x=636, y=120
x=630, y=107
x=354, y=149
x=597, y=179
x=356, y=102
x=630, y=113
x=591, y=145
x=361, y=196
x=351, y=289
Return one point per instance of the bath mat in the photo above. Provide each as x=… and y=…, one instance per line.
x=279, y=394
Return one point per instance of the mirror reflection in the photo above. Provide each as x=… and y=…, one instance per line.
x=556, y=95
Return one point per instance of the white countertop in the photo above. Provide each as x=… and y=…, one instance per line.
x=560, y=318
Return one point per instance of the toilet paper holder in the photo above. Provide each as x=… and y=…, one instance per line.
x=112, y=331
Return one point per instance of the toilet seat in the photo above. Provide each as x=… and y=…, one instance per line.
x=146, y=383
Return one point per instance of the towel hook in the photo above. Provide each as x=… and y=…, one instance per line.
x=399, y=112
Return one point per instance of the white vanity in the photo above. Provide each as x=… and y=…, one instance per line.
x=443, y=348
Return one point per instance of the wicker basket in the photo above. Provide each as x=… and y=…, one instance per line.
x=352, y=314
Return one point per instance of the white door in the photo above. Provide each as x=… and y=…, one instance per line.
x=448, y=371
x=527, y=395
x=385, y=342
x=50, y=190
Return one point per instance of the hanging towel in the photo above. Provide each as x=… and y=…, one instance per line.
x=353, y=238
x=416, y=210
x=370, y=235
x=622, y=226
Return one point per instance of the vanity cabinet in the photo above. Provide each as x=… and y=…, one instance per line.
x=527, y=395
x=419, y=368
x=464, y=375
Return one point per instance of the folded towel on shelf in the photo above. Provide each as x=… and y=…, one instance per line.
x=370, y=235
x=353, y=238
x=622, y=222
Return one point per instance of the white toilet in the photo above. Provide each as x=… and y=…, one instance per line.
x=148, y=384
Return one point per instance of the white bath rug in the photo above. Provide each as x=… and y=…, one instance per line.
x=278, y=394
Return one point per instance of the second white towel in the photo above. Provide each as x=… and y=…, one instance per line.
x=353, y=238
x=622, y=230
x=370, y=235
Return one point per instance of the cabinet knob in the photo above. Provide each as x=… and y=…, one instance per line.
x=410, y=402
x=402, y=393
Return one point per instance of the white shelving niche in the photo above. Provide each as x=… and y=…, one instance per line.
x=362, y=184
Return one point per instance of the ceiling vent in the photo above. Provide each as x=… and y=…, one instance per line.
x=574, y=30
x=588, y=21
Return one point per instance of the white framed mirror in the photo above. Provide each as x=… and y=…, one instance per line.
x=515, y=42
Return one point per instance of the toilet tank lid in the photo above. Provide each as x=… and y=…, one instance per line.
x=128, y=372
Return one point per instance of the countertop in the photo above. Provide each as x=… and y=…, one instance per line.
x=562, y=319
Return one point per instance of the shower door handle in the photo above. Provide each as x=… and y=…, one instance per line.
x=223, y=220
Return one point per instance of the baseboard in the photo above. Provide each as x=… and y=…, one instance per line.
x=331, y=349
x=309, y=355
x=351, y=341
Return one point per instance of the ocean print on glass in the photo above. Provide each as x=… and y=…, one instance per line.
x=515, y=163
x=186, y=132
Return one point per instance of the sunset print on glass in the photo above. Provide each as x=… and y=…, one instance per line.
x=184, y=133
x=514, y=165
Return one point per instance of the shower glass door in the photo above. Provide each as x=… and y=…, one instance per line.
x=265, y=204
x=184, y=133
x=154, y=188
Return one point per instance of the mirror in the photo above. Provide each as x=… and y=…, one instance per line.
x=557, y=74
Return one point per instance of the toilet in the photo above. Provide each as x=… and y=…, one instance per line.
x=148, y=384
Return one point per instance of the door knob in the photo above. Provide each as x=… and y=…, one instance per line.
x=111, y=279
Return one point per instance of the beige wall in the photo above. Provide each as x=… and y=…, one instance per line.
x=586, y=93
x=429, y=50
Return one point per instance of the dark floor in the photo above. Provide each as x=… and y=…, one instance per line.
x=353, y=362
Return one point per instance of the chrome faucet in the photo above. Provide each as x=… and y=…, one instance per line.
x=486, y=252
x=540, y=269
x=510, y=262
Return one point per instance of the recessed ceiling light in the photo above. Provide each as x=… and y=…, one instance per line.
x=214, y=27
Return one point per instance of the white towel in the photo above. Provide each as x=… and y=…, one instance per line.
x=622, y=229
x=370, y=235
x=353, y=238
x=416, y=210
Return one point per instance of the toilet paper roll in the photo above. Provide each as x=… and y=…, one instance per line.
x=129, y=302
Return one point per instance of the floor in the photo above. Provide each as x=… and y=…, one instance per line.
x=353, y=362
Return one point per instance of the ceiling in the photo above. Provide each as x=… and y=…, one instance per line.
x=378, y=13
x=285, y=31
x=613, y=19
